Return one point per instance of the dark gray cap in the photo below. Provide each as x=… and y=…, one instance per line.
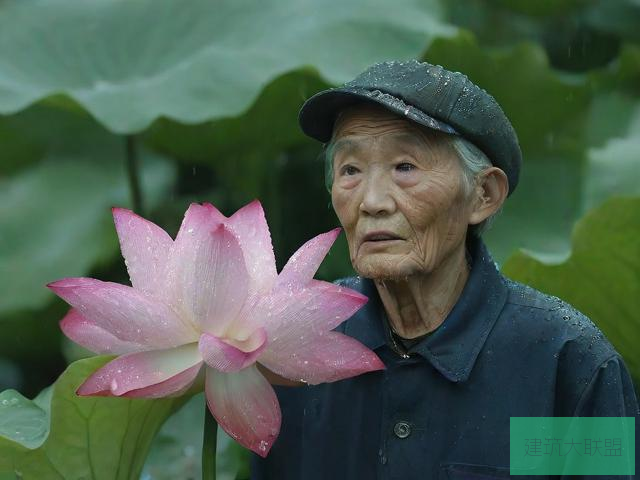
x=426, y=94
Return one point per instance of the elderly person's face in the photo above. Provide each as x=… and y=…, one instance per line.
x=398, y=192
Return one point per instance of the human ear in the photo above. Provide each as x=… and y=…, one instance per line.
x=490, y=193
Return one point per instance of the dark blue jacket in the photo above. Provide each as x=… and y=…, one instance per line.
x=505, y=350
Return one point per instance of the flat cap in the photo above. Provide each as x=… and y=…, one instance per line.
x=428, y=95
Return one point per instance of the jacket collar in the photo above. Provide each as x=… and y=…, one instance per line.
x=454, y=346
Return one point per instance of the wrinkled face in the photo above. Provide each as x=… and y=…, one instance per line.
x=398, y=193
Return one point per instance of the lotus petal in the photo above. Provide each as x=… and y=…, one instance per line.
x=304, y=264
x=145, y=248
x=246, y=407
x=317, y=359
x=214, y=213
x=208, y=277
x=250, y=226
x=135, y=371
x=224, y=356
x=318, y=307
x=92, y=337
x=125, y=312
x=173, y=387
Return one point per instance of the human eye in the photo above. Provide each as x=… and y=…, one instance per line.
x=348, y=170
x=405, y=167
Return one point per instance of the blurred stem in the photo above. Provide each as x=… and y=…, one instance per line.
x=133, y=174
x=209, y=445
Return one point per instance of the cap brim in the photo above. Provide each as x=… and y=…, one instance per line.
x=319, y=113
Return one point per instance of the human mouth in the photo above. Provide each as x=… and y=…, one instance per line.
x=380, y=236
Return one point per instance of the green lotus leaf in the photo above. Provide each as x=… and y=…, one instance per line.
x=55, y=215
x=621, y=17
x=629, y=68
x=30, y=340
x=17, y=150
x=129, y=63
x=540, y=8
x=615, y=166
x=601, y=278
x=244, y=151
x=268, y=127
x=611, y=116
x=59, y=435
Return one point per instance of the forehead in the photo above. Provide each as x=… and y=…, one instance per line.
x=360, y=123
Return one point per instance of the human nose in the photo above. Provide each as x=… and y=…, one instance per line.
x=377, y=199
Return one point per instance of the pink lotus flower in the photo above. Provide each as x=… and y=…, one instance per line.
x=211, y=304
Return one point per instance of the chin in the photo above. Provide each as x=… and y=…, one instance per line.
x=385, y=268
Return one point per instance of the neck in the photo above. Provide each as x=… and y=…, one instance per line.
x=418, y=304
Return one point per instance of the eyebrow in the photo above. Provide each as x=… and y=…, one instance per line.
x=404, y=137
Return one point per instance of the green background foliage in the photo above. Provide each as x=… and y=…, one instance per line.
x=199, y=99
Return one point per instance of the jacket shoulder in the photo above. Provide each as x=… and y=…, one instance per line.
x=539, y=313
x=557, y=328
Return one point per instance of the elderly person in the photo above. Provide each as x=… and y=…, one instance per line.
x=419, y=159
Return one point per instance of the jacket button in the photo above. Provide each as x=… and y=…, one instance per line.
x=402, y=429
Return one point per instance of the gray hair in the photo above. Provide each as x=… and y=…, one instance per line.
x=472, y=160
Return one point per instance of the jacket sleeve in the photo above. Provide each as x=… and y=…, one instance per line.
x=610, y=393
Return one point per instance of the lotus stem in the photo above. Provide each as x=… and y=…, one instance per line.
x=132, y=173
x=209, y=442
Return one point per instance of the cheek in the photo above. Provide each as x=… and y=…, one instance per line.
x=437, y=214
x=339, y=202
x=343, y=205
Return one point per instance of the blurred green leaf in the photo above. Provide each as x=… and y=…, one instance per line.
x=622, y=77
x=541, y=7
x=628, y=74
x=61, y=436
x=176, y=450
x=490, y=23
x=32, y=341
x=17, y=151
x=10, y=375
x=243, y=151
x=615, y=167
x=601, y=278
x=610, y=117
x=576, y=46
x=620, y=17
x=129, y=63
x=269, y=126
x=540, y=215
x=55, y=218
